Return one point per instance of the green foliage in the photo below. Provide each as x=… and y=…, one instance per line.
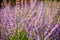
x=41, y=35
x=21, y=36
x=56, y=18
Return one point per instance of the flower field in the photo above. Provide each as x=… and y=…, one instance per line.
x=29, y=20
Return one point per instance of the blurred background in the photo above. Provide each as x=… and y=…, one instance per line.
x=13, y=2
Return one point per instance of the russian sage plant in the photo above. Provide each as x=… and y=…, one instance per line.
x=29, y=20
